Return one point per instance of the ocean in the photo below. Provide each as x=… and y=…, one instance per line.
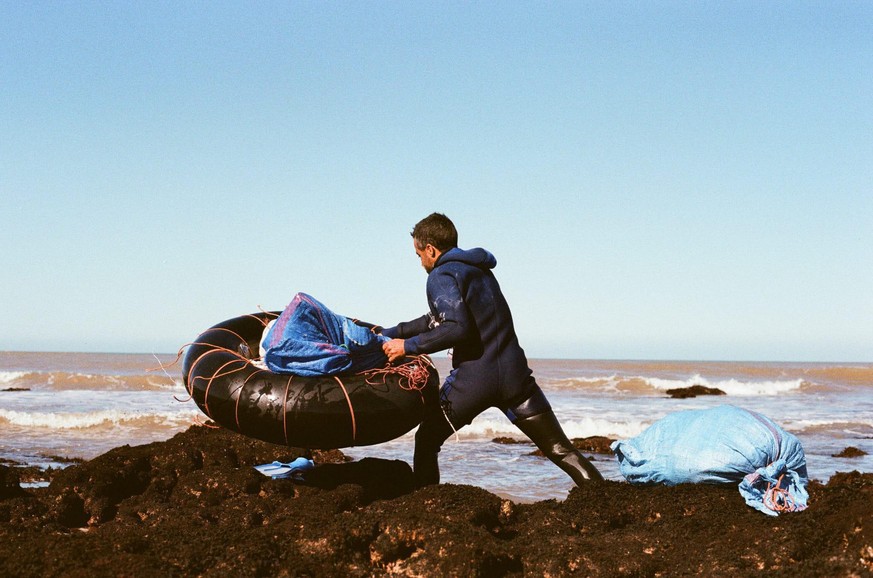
x=58, y=406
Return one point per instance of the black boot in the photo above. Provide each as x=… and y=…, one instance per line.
x=545, y=431
x=426, y=468
x=429, y=438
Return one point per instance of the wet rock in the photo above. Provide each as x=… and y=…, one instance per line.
x=9, y=483
x=68, y=509
x=850, y=452
x=594, y=444
x=380, y=479
x=591, y=444
x=506, y=440
x=693, y=391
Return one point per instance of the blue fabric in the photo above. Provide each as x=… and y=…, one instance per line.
x=469, y=314
x=308, y=339
x=719, y=445
x=294, y=470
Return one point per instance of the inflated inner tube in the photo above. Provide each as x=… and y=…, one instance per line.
x=309, y=412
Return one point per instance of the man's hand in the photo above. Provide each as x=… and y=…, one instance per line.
x=394, y=349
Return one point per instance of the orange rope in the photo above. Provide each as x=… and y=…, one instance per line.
x=205, y=353
x=204, y=424
x=182, y=349
x=209, y=383
x=175, y=361
x=189, y=382
x=234, y=333
x=164, y=368
x=351, y=409
x=412, y=375
x=267, y=313
x=779, y=499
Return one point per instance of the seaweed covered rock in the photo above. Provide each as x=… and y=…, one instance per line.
x=194, y=506
x=10, y=486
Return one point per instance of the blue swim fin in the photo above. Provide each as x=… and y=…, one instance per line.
x=293, y=470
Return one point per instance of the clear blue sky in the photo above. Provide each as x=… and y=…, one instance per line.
x=658, y=180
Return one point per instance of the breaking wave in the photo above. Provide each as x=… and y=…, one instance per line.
x=731, y=386
x=651, y=385
x=63, y=380
x=92, y=419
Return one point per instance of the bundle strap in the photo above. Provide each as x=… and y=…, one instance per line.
x=779, y=499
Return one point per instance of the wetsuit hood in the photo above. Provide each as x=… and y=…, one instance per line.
x=477, y=257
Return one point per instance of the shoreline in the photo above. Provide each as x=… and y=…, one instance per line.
x=194, y=505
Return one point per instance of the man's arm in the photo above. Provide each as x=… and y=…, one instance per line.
x=452, y=317
x=408, y=328
x=395, y=349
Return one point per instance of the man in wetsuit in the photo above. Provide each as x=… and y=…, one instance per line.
x=469, y=314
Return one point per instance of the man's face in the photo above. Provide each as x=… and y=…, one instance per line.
x=428, y=255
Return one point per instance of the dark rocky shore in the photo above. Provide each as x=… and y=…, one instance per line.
x=194, y=506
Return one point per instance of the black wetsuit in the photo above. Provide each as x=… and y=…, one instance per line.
x=469, y=314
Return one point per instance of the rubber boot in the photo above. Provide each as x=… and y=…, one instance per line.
x=429, y=438
x=426, y=468
x=544, y=430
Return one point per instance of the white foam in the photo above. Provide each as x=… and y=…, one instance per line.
x=7, y=377
x=729, y=386
x=66, y=420
x=837, y=424
x=619, y=383
x=493, y=423
x=75, y=378
x=588, y=427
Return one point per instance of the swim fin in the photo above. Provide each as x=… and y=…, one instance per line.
x=280, y=470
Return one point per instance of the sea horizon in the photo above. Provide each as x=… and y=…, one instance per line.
x=530, y=358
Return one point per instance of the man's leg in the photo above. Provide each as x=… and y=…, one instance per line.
x=433, y=431
x=535, y=418
x=428, y=440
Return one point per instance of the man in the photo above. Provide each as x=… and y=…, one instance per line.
x=469, y=314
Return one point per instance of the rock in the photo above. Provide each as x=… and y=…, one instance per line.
x=591, y=444
x=850, y=452
x=509, y=441
x=10, y=483
x=693, y=391
x=194, y=506
x=594, y=444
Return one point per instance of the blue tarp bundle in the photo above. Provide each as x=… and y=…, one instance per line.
x=719, y=445
x=308, y=339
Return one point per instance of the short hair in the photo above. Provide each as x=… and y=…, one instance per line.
x=436, y=229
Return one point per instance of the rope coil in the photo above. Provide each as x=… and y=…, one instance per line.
x=779, y=499
x=412, y=375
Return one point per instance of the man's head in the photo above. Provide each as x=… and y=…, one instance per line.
x=431, y=237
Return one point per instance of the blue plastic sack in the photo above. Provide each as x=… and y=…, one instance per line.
x=308, y=339
x=719, y=445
